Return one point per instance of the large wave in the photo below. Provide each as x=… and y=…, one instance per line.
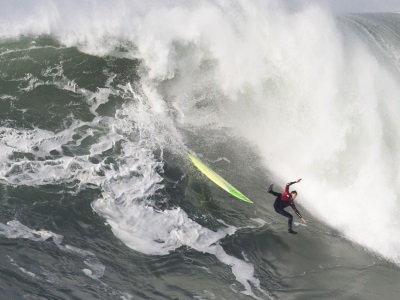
x=315, y=94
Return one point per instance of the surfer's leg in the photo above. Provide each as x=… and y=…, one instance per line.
x=287, y=215
x=290, y=221
x=270, y=188
x=274, y=193
x=277, y=204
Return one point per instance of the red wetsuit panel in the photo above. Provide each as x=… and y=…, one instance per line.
x=287, y=200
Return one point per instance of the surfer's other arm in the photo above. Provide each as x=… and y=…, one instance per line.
x=290, y=196
x=298, y=213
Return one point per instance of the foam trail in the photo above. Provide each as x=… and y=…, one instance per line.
x=170, y=230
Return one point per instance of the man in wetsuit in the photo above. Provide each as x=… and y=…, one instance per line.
x=284, y=200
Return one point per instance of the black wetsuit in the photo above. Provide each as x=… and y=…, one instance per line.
x=279, y=208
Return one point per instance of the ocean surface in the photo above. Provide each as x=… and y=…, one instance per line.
x=100, y=102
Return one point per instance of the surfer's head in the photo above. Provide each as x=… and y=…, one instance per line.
x=294, y=194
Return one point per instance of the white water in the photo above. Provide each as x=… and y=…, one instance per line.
x=316, y=103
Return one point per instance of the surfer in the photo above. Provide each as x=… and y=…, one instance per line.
x=284, y=200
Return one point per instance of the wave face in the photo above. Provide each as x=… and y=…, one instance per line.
x=110, y=96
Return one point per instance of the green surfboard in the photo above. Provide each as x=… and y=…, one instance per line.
x=218, y=180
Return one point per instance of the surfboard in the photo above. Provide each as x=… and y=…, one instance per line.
x=217, y=179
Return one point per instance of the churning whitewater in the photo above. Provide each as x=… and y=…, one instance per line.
x=100, y=102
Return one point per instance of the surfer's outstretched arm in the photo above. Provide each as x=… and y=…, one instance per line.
x=293, y=182
x=289, y=184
